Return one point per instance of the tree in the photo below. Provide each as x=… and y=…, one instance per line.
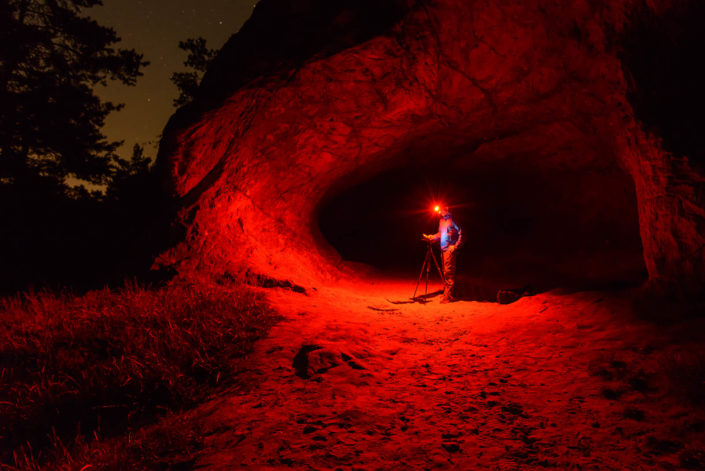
x=130, y=178
x=199, y=56
x=50, y=117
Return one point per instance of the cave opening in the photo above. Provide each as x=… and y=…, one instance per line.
x=524, y=224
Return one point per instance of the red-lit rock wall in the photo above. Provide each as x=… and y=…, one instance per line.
x=671, y=214
x=456, y=81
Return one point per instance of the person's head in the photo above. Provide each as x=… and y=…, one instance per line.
x=444, y=211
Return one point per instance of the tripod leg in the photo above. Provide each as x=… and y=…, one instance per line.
x=440, y=272
x=428, y=267
x=423, y=267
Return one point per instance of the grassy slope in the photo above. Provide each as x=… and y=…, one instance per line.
x=78, y=373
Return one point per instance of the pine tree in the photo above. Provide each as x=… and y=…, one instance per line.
x=52, y=58
x=130, y=179
x=199, y=56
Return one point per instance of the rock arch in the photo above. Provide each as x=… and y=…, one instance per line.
x=273, y=136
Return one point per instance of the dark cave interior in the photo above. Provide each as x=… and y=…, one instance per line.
x=523, y=224
x=661, y=56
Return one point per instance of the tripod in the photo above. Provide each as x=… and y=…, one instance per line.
x=427, y=266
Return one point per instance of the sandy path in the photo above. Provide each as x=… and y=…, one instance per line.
x=565, y=381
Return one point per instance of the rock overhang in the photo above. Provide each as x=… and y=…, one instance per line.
x=481, y=83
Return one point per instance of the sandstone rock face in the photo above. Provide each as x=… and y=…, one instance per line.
x=516, y=91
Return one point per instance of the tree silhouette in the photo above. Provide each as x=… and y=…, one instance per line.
x=130, y=178
x=50, y=117
x=53, y=56
x=199, y=56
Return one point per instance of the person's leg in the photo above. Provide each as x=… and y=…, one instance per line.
x=449, y=274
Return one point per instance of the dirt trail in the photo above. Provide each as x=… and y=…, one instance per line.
x=350, y=380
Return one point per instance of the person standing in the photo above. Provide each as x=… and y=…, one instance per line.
x=450, y=235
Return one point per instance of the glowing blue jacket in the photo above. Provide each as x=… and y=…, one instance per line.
x=448, y=232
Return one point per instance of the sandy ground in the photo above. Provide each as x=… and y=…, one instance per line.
x=349, y=380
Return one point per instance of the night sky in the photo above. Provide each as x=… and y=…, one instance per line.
x=154, y=28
